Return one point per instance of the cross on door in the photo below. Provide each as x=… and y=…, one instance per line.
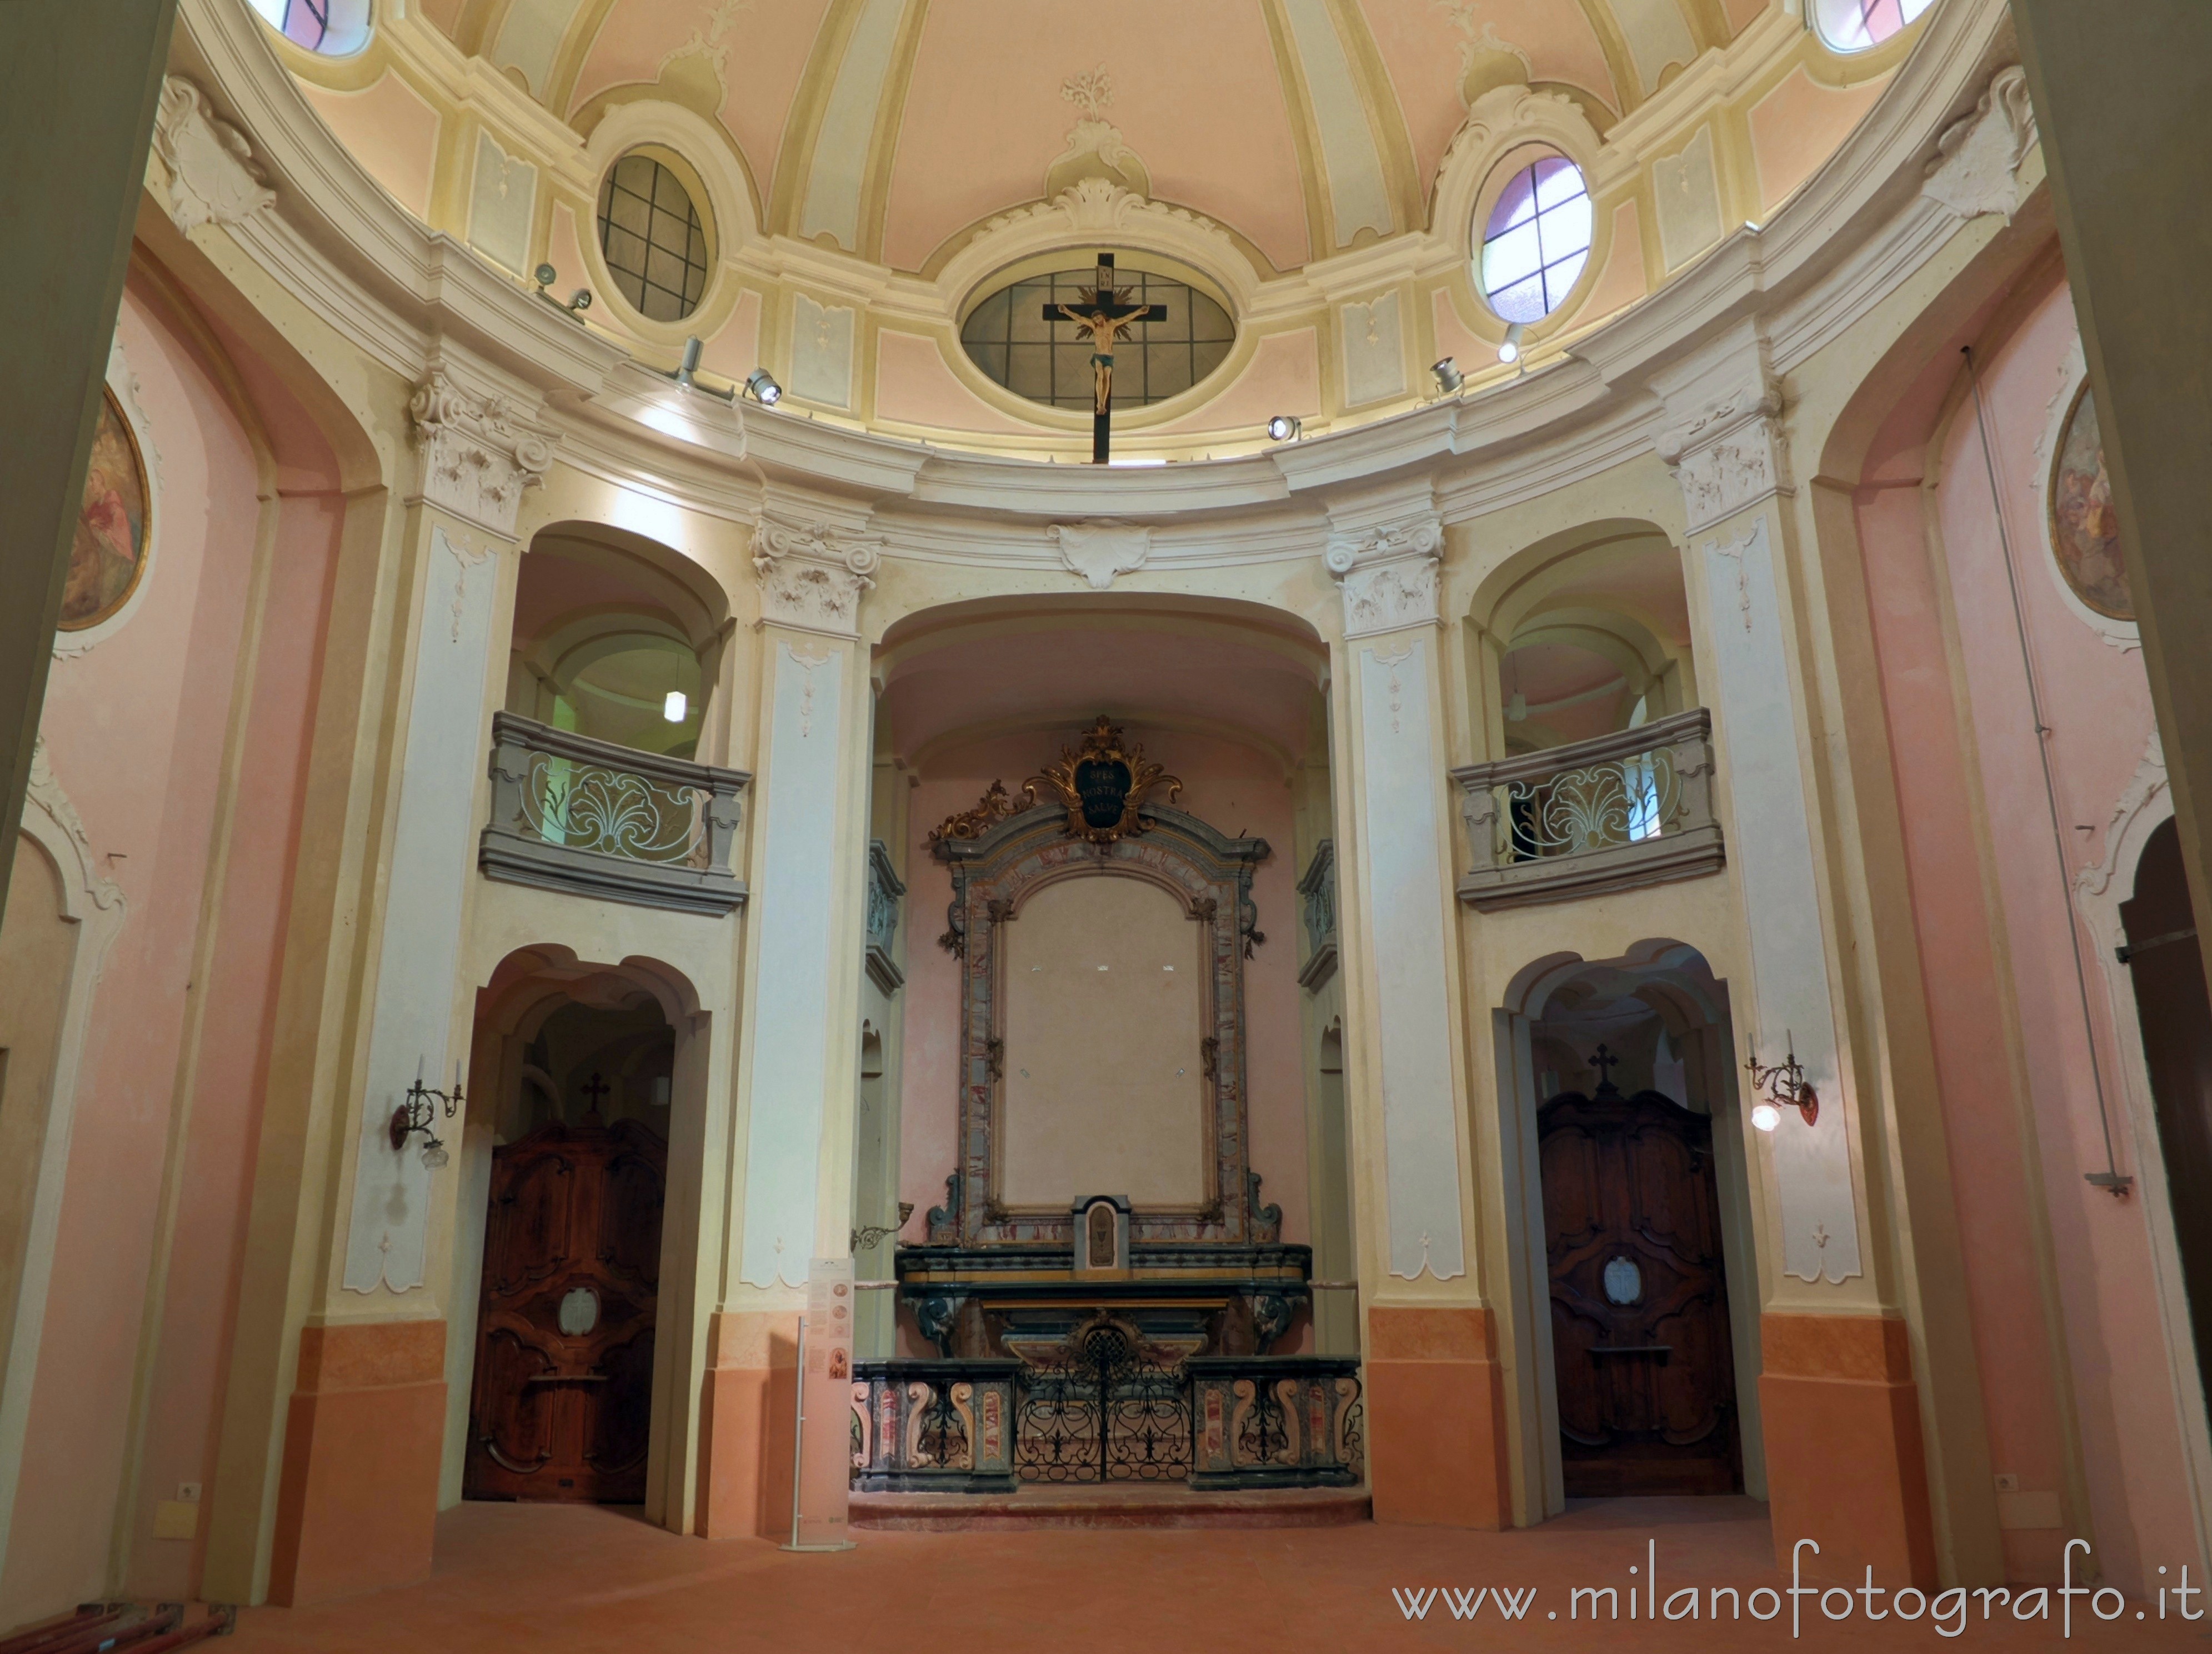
x=1103, y=311
x=597, y=1089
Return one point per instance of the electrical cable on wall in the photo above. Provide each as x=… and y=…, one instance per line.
x=2110, y=1179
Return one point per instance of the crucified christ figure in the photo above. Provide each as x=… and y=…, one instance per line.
x=1105, y=328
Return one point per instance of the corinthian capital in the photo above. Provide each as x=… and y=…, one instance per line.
x=1725, y=443
x=1387, y=574
x=479, y=453
x=812, y=574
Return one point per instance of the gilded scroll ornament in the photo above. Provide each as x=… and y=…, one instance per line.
x=1102, y=783
x=993, y=807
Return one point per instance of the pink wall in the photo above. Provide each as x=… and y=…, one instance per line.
x=136, y=730
x=1992, y=919
x=1227, y=785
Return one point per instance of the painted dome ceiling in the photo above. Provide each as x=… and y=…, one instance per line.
x=1289, y=152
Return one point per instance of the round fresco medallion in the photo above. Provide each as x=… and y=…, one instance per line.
x=109, y=552
x=2085, y=530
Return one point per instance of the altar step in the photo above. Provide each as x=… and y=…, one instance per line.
x=1168, y=1507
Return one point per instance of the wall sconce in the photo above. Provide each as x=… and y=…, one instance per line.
x=418, y=1113
x=868, y=1236
x=1784, y=1087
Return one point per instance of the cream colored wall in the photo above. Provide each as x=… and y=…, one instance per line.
x=37, y=947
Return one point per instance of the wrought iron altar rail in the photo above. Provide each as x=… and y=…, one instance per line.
x=572, y=813
x=1112, y=1412
x=1634, y=807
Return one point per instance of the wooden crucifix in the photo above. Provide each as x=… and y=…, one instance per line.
x=597, y=1090
x=1103, y=311
x=1604, y=1062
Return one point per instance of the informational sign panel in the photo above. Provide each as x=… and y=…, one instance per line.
x=825, y=1453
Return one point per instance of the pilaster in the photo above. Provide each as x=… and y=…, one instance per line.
x=1431, y=1353
x=797, y=1074
x=375, y=1346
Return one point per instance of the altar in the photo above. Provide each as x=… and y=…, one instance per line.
x=1104, y=1287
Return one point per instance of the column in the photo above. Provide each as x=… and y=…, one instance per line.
x=1840, y=1411
x=80, y=84
x=365, y=1426
x=1434, y=1387
x=798, y=1051
x=2119, y=95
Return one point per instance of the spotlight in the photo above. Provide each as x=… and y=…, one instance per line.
x=1509, y=349
x=693, y=347
x=546, y=277
x=580, y=299
x=1449, y=377
x=1284, y=427
x=674, y=707
x=763, y=389
x=1765, y=1116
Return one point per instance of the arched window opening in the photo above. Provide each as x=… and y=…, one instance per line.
x=600, y=648
x=1536, y=239
x=336, y=28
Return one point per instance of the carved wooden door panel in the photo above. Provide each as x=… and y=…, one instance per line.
x=1639, y=1311
x=562, y=1398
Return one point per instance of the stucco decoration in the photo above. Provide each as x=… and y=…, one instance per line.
x=412, y=1028
x=1977, y=157
x=795, y=913
x=1727, y=448
x=821, y=352
x=2142, y=804
x=812, y=575
x=480, y=454
x=1406, y=889
x=96, y=905
x=1100, y=551
x=1388, y=575
x=503, y=199
x=1374, y=357
x=1789, y=1006
x=1686, y=192
x=1096, y=147
x=1096, y=209
x=213, y=176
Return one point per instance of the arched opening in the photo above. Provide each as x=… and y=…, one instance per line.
x=1638, y=1277
x=611, y=642
x=2166, y=968
x=573, y=1362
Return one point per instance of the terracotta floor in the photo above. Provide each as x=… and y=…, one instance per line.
x=551, y=1579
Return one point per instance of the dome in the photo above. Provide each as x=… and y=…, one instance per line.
x=866, y=175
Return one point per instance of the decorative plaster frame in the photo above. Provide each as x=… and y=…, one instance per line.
x=2073, y=381
x=730, y=198
x=2144, y=805
x=124, y=383
x=96, y=905
x=1211, y=875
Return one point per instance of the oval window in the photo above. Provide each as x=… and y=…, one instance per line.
x=654, y=240
x=1537, y=241
x=1019, y=338
x=334, y=27
x=1859, y=25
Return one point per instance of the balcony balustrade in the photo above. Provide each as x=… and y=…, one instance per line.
x=571, y=813
x=1631, y=808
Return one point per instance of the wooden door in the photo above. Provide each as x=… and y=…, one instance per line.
x=2167, y=969
x=1640, y=1309
x=562, y=1401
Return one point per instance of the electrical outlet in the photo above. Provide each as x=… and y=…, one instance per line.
x=2007, y=1482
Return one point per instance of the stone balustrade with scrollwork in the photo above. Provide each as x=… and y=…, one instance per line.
x=572, y=813
x=941, y=1426
x=1631, y=808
